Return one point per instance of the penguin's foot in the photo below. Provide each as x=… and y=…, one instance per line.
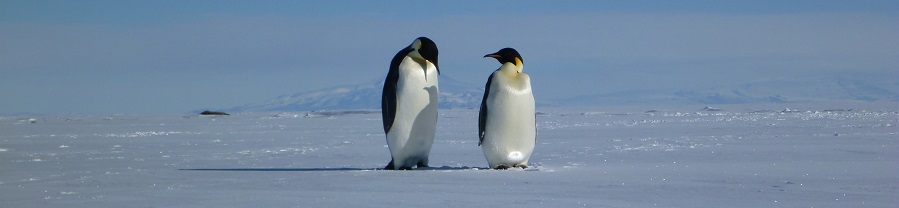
x=389, y=165
x=506, y=167
x=423, y=165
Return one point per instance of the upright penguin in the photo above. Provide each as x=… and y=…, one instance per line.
x=409, y=104
x=507, y=124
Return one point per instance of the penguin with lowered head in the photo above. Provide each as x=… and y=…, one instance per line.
x=409, y=104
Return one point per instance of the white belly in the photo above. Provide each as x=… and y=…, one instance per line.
x=412, y=134
x=510, y=132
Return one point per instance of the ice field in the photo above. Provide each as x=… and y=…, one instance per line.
x=774, y=155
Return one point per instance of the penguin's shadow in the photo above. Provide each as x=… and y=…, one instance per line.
x=324, y=169
x=432, y=97
x=280, y=169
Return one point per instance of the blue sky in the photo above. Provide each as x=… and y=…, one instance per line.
x=102, y=57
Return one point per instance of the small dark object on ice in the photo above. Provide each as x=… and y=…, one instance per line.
x=214, y=113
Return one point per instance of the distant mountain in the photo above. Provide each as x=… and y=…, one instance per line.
x=453, y=94
x=801, y=89
x=781, y=90
x=456, y=94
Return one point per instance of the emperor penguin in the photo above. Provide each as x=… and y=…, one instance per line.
x=409, y=104
x=507, y=123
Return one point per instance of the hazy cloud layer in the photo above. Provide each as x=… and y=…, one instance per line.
x=194, y=58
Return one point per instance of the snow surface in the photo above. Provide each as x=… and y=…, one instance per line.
x=641, y=156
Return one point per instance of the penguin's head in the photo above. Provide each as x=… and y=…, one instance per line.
x=507, y=55
x=424, y=48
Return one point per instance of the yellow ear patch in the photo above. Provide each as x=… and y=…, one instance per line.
x=518, y=65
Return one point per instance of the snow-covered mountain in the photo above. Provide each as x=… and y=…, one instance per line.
x=453, y=94
x=456, y=94
x=801, y=89
x=822, y=88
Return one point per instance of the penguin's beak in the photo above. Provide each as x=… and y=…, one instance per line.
x=492, y=55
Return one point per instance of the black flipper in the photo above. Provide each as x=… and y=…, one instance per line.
x=388, y=96
x=482, y=115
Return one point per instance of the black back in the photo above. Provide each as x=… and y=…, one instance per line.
x=482, y=115
x=388, y=96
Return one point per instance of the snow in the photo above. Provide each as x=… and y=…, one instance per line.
x=640, y=156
